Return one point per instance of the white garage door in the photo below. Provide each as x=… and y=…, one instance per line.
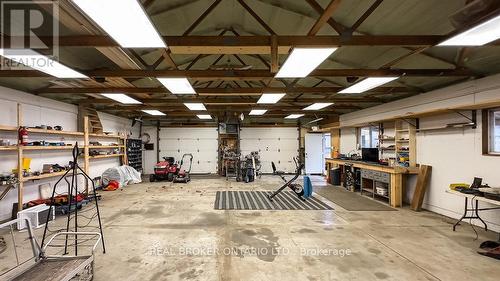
x=201, y=142
x=273, y=144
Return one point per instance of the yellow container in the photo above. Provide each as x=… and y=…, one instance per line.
x=453, y=186
x=26, y=165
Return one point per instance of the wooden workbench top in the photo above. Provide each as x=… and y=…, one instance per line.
x=375, y=167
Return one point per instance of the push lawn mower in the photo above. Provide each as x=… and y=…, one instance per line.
x=182, y=175
x=164, y=170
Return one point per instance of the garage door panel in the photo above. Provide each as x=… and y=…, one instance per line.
x=274, y=144
x=201, y=142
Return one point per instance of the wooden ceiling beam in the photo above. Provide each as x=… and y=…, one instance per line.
x=247, y=74
x=335, y=25
x=325, y=16
x=201, y=17
x=212, y=91
x=365, y=15
x=256, y=17
x=261, y=43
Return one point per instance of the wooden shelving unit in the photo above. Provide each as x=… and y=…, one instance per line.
x=121, y=142
x=402, y=145
x=406, y=142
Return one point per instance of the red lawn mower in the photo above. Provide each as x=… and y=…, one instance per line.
x=164, y=170
x=170, y=171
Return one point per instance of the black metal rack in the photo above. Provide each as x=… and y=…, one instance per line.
x=134, y=153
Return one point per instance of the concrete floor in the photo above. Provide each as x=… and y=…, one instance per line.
x=165, y=231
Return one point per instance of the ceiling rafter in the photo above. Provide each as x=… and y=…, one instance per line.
x=201, y=17
x=256, y=17
x=365, y=15
x=323, y=18
x=339, y=28
x=334, y=24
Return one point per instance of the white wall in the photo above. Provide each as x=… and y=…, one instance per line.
x=37, y=111
x=149, y=156
x=454, y=154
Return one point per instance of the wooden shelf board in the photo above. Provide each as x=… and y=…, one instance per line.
x=8, y=148
x=106, y=146
x=105, y=156
x=43, y=176
x=66, y=147
x=54, y=132
x=8, y=128
x=105, y=136
x=443, y=128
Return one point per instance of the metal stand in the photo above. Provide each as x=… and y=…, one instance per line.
x=475, y=213
x=72, y=172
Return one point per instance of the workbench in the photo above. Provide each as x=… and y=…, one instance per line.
x=396, y=176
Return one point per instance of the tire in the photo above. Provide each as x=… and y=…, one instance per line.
x=152, y=178
x=170, y=177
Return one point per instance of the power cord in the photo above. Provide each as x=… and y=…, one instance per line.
x=470, y=220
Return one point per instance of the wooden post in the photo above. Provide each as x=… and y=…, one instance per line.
x=19, y=161
x=86, y=157
x=20, y=178
x=335, y=139
x=412, y=144
x=123, y=150
x=396, y=190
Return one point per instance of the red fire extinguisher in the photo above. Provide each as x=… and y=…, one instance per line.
x=23, y=136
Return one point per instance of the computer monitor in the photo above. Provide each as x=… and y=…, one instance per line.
x=369, y=154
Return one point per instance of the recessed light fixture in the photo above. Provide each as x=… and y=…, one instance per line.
x=479, y=35
x=367, y=84
x=318, y=106
x=270, y=98
x=121, y=98
x=204, y=116
x=40, y=62
x=124, y=20
x=294, y=116
x=178, y=86
x=302, y=61
x=257, y=112
x=195, y=106
x=153, y=112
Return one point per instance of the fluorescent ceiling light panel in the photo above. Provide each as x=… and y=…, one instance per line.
x=153, y=112
x=204, y=116
x=294, y=116
x=178, y=86
x=40, y=62
x=124, y=20
x=367, y=84
x=195, y=106
x=318, y=106
x=479, y=35
x=303, y=61
x=257, y=112
x=121, y=98
x=270, y=98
